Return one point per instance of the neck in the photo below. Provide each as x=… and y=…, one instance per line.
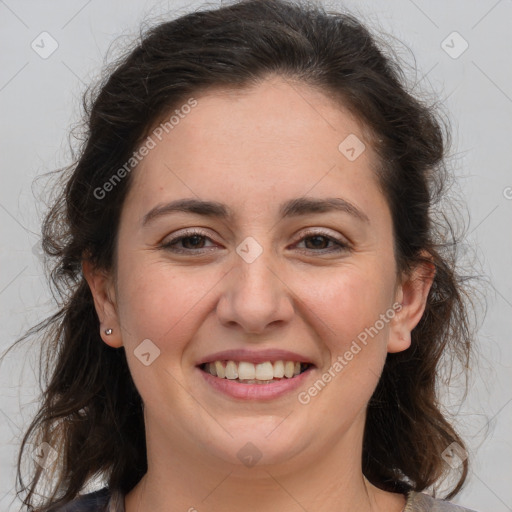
x=191, y=480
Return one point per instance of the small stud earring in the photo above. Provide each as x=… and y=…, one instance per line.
x=108, y=331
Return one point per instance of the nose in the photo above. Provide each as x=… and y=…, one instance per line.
x=255, y=298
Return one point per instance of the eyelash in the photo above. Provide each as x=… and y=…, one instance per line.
x=342, y=246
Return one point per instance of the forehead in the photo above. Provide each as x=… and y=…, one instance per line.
x=277, y=138
x=292, y=120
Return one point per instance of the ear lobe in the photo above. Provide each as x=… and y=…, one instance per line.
x=412, y=293
x=103, y=293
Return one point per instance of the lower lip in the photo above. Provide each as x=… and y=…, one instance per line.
x=255, y=391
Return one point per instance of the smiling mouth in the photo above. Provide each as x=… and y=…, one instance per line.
x=244, y=372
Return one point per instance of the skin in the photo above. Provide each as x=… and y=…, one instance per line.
x=253, y=150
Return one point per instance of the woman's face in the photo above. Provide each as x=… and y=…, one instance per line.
x=270, y=270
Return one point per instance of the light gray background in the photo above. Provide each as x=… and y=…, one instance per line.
x=40, y=100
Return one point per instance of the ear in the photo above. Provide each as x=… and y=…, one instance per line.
x=412, y=293
x=103, y=292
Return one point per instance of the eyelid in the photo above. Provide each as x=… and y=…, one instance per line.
x=324, y=232
x=186, y=232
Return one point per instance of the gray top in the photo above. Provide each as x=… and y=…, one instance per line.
x=105, y=501
x=421, y=502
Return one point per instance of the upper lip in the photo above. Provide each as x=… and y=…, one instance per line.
x=255, y=357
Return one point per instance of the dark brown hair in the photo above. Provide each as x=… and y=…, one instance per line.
x=91, y=411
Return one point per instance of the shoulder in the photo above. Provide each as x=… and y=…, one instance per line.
x=421, y=502
x=96, y=501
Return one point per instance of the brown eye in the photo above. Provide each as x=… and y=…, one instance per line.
x=189, y=242
x=319, y=242
x=194, y=242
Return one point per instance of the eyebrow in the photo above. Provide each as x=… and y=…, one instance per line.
x=291, y=208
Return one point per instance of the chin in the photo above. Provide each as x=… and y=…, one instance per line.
x=257, y=446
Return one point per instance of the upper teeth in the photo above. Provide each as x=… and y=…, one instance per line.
x=250, y=371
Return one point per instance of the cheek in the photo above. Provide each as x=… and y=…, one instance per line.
x=346, y=312
x=161, y=302
x=348, y=299
x=162, y=305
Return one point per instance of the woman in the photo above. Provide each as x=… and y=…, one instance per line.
x=255, y=294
